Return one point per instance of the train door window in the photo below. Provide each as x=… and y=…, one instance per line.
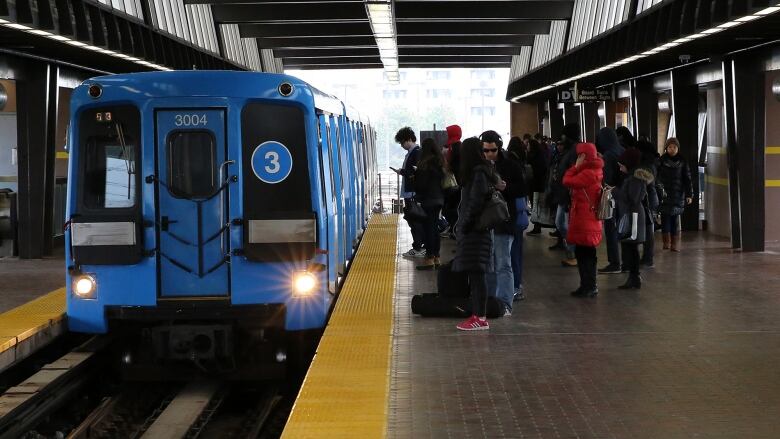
x=330, y=168
x=192, y=157
x=110, y=174
x=322, y=168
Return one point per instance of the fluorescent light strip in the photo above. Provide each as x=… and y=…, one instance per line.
x=76, y=43
x=659, y=49
x=380, y=16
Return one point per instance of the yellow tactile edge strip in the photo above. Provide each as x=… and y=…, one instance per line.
x=345, y=392
x=27, y=320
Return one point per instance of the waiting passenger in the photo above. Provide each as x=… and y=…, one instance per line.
x=649, y=161
x=452, y=194
x=632, y=203
x=501, y=281
x=675, y=179
x=517, y=152
x=408, y=141
x=474, y=246
x=584, y=181
x=428, y=192
x=609, y=147
x=627, y=140
x=541, y=215
x=570, y=137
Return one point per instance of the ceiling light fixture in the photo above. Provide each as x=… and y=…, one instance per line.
x=380, y=15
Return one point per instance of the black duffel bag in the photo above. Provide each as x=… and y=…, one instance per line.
x=494, y=213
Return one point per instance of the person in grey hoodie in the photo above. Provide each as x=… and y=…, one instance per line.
x=609, y=147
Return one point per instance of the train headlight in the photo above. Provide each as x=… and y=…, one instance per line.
x=84, y=286
x=303, y=284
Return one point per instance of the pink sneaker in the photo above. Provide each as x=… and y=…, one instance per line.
x=473, y=323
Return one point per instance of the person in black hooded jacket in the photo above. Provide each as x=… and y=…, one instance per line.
x=610, y=149
x=649, y=161
x=474, y=245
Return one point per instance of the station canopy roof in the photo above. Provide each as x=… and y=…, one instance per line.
x=336, y=34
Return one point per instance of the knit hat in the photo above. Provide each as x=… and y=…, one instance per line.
x=454, y=133
x=572, y=132
x=588, y=149
x=631, y=158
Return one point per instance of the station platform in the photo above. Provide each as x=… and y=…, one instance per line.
x=32, y=306
x=694, y=353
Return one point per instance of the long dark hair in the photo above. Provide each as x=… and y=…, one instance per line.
x=430, y=155
x=470, y=157
x=516, y=148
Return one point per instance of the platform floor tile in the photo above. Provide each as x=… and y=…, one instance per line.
x=694, y=354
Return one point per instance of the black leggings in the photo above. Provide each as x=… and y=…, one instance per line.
x=478, y=284
x=631, y=257
x=432, y=239
x=586, y=264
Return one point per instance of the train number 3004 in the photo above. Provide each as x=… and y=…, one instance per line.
x=190, y=120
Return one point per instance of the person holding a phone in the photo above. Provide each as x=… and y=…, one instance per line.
x=408, y=141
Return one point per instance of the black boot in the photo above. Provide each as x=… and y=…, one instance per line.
x=634, y=281
x=586, y=292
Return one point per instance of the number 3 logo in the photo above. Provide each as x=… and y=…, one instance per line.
x=271, y=162
x=273, y=159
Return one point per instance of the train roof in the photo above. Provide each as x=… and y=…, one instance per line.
x=218, y=83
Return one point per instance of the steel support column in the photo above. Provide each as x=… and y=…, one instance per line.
x=590, y=121
x=748, y=96
x=731, y=151
x=556, y=120
x=685, y=110
x=32, y=91
x=645, y=108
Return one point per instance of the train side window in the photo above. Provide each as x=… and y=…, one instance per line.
x=192, y=164
x=109, y=174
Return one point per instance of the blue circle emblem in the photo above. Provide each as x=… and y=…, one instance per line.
x=272, y=162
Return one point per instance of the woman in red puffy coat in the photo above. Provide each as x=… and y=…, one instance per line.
x=584, y=181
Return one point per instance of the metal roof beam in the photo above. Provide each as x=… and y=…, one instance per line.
x=520, y=27
x=268, y=30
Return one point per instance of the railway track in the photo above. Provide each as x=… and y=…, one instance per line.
x=79, y=396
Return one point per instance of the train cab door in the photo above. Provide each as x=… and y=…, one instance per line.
x=192, y=203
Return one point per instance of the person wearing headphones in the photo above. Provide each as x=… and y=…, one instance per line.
x=511, y=185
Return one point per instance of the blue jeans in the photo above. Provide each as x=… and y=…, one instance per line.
x=669, y=223
x=562, y=224
x=517, y=258
x=500, y=281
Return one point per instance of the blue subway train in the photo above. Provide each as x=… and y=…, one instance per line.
x=208, y=205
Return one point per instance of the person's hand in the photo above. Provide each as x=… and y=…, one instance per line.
x=688, y=200
x=501, y=185
x=580, y=160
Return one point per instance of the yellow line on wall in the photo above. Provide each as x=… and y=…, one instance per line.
x=716, y=150
x=772, y=183
x=720, y=181
x=772, y=150
x=62, y=155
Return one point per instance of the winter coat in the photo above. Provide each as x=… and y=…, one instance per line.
x=631, y=197
x=474, y=247
x=511, y=172
x=407, y=172
x=427, y=185
x=610, y=148
x=674, y=177
x=584, y=182
x=562, y=162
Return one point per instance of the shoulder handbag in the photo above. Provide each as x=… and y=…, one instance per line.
x=628, y=227
x=448, y=181
x=522, y=221
x=494, y=213
x=414, y=211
